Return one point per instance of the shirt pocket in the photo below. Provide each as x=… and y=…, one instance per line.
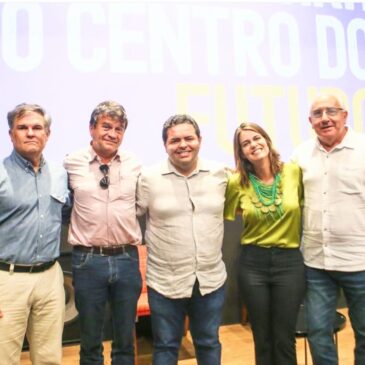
x=56, y=204
x=59, y=198
x=127, y=187
x=58, y=189
x=351, y=180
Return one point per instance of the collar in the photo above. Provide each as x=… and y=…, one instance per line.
x=169, y=168
x=93, y=156
x=347, y=142
x=24, y=163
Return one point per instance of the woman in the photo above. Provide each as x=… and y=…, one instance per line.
x=268, y=194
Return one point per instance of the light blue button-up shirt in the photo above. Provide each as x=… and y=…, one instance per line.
x=31, y=210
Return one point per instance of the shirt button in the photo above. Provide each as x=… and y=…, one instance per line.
x=42, y=216
x=41, y=235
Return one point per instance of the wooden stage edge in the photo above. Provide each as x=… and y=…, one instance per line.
x=237, y=347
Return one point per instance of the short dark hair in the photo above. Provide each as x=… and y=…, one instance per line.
x=179, y=119
x=22, y=109
x=110, y=109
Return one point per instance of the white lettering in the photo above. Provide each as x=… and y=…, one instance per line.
x=11, y=39
x=126, y=46
x=279, y=23
x=246, y=42
x=356, y=26
x=211, y=17
x=96, y=58
x=176, y=37
x=324, y=25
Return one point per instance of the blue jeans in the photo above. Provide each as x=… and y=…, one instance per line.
x=97, y=280
x=168, y=316
x=322, y=294
x=272, y=284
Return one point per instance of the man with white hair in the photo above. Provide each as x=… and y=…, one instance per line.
x=334, y=230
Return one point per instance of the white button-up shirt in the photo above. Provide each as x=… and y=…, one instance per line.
x=184, y=232
x=334, y=208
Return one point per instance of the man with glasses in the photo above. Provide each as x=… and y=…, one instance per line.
x=334, y=230
x=104, y=232
x=33, y=193
x=184, y=200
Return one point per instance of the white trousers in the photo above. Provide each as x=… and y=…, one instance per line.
x=32, y=304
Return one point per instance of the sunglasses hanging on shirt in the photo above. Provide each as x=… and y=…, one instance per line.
x=104, y=182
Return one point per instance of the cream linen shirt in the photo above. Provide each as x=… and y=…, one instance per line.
x=334, y=203
x=103, y=217
x=184, y=232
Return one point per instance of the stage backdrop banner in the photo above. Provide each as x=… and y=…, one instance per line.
x=221, y=62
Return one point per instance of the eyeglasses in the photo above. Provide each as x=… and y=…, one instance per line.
x=332, y=112
x=104, y=182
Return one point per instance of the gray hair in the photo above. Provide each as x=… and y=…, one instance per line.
x=339, y=99
x=110, y=109
x=22, y=109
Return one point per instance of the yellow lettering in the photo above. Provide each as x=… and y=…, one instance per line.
x=184, y=94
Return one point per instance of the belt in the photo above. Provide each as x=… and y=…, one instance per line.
x=107, y=250
x=26, y=268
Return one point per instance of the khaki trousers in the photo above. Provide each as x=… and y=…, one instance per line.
x=32, y=304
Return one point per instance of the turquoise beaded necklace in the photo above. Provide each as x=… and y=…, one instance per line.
x=265, y=193
x=268, y=199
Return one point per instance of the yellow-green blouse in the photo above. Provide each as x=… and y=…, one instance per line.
x=268, y=230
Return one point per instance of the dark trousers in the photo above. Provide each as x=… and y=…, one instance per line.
x=97, y=280
x=205, y=314
x=322, y=292
x=272, y=284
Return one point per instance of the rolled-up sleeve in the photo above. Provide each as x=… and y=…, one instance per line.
x=232, y=198
x=142, y=196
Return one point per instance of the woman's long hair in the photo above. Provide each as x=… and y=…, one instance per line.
x=243, y=166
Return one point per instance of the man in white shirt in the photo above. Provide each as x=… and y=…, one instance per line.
x=184, y=201
x=334, y=230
